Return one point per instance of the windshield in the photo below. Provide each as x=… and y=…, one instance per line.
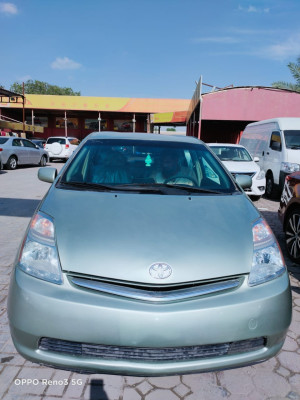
x=230, y=153
x=56, y=140
x=147, y=163
x=292, y=139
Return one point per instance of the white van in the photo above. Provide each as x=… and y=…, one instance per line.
x=276, y=142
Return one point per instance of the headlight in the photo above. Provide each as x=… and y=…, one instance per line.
x=261, y=174
x=39, y=256
x=267, y=263
x=289, y=167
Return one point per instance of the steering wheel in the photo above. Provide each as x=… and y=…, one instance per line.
x=186, y=178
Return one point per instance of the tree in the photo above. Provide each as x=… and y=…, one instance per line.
x=295, y=71
x=38, y=87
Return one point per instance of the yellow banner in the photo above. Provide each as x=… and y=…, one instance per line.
x=18, y=126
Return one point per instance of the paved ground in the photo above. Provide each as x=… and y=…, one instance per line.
x=278, y=378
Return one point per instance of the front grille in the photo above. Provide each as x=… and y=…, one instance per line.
x=158, y=294
x=251, y=174
x=149, y=353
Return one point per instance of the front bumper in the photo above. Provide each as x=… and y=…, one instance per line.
x=258, y=187
x=39, y=309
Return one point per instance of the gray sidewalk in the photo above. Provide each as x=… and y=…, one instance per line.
x=278, y=378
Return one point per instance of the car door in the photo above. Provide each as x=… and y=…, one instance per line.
x=33, y=153
x=20, y=151
x=273, y=155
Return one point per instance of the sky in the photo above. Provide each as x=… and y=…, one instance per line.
x=148, y=48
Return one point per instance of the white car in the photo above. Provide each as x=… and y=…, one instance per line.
x=238, y=161
x=61, y=147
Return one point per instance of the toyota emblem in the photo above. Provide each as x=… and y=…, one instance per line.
x=160, y=270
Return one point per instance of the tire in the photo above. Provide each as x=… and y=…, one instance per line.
x=292, y=235
x=271, y=191
x=12, y=163
x=254, y=198
x=43, y=161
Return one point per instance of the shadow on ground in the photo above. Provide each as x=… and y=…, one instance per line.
x=97, y=391
x=11, y=207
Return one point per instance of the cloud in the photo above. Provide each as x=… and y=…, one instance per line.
x=255, y=32
x=217, y=39
x=65, y=63
x=8, y=8
x=285, y=49
x=252, y=9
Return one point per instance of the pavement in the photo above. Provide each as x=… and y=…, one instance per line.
x=277, y=378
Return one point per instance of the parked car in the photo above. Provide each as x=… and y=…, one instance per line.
x=238, y=161
x=19, y=151
x=166, y=267
x=60, y=147
x=277, y=144
x=289, y=214
x=39, y=142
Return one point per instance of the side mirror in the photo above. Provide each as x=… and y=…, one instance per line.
x=47, y=174
x=256, y=159
x=244, y=181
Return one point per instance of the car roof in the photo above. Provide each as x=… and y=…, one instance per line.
x=61, y=137
x=142, y=136
x=225, y=144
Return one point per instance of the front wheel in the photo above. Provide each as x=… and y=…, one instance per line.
x=292, y=235
x=271, y=191
x=11, y=163
x=254, y=198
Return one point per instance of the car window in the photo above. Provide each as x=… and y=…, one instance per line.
x=230, y=153
x=3, y=140
x=56, y=140
x=140, y=162
x=292, y=139
x=27, y=143
x=275, y=142
x=17, y=142
x=74, y=141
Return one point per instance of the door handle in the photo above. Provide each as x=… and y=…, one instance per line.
x=263, y=153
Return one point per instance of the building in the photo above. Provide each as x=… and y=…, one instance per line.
x=79, y=115
x=218, y=116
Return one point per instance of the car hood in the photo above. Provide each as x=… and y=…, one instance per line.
x=119, y=236
x=241, y=166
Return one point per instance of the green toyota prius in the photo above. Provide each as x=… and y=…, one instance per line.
x=146, y=257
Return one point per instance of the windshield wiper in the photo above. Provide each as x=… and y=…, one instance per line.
x=186, y=188
x=86, y=185
x=295, y=147
x=161, y=188
x=193, y=189
x=112, y=188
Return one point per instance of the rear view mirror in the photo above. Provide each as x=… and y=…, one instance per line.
x=47, y=174
x=256, y=159
x=244, y=181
